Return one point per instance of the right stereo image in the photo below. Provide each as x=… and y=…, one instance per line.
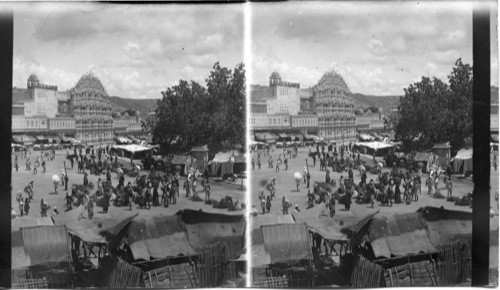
x=361, y=149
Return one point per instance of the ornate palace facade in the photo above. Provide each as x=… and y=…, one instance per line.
x=335, y=109
x=92, y=111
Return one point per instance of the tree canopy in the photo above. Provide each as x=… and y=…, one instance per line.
x=190, y=114
x=432, y=111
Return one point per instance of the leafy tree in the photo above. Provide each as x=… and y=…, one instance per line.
x=191, y=115
x=433, y=111
x=372, y=109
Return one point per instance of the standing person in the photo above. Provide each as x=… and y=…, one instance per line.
x=397, y=193
x=286, y=163
x=314, y=160
x=108, y=177
x=284, y=206
x=348, y=197
x=263, y=204
x=66, y=179
x=436, y=182
x=304, y=174
x=327, y=176
x=43, y=208
x=449, y=187
x=271, y=186
x=90, y=209
x=494, y=161
x=16, y=165
x=297, y=183
x=258, y=163
x=428, y=183
x=72, y=162
x=268, y=203
x=27, y=206
x=121, y=180
x=85, y=179
x=155, y=196
x=308, y=177
x=69, y=200
x=253, y=164
x=21, y=206
x=331, y=206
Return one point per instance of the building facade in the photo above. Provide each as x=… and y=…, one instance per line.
x=335, y=109
x=92, y=111
x=370, y=123
x=83, y=113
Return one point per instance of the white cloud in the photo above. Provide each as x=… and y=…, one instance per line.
x=205, y=60
x=445, y=57
x=452, y=38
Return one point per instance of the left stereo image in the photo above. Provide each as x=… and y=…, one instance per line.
x=128, y=146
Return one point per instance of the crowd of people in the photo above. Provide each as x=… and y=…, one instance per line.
x=151, y=189
x=394, y=186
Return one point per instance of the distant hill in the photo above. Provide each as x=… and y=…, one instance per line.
x=387, y=103
x=144, y=106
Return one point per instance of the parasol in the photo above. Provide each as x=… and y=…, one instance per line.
x=56, y=179
x=297, y=176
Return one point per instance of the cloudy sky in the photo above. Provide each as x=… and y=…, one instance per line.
x=378, y=48
x=137, y=51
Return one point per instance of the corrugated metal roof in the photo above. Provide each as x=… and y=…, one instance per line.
x=46, y=244
x=151, y=228
x=399, y=235
x=394, y=225
x=286, y=242
x=30, y=221
x=270, y=219
x=319, y=221
x=446, y=225
x=78, y=224
x=206, y=228
x=157, y=237
x=172, y=245
x=401, y=245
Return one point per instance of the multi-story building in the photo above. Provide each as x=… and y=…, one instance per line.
x=370, y=123
x=84, y=112
x=307, y=105
x=279, y=97
x=335, y=108
x=92, y=111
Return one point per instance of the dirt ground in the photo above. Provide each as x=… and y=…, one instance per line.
x=44, y=188
x=286, y=187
